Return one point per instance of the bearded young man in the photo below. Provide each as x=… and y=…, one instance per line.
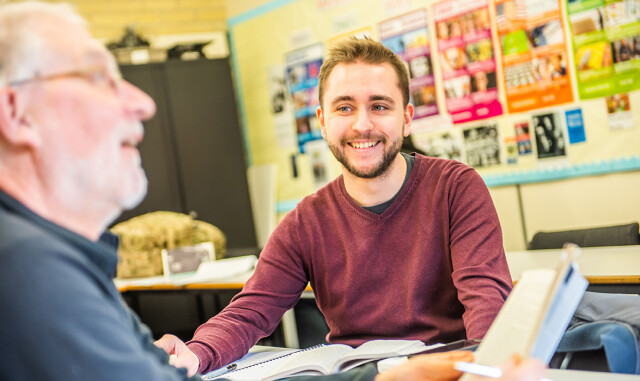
x=397, y=247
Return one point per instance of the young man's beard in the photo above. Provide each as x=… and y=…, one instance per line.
x=387, y=158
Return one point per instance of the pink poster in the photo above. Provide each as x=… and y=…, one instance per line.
x=467, y=59
x=407, y=36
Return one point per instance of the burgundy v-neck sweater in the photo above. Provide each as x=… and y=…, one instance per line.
x=430, y=267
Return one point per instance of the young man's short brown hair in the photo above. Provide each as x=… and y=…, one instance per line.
x=365, y=50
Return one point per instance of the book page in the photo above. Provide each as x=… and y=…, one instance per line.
x=320, y=359
x=515, y=327
x=378, y=349
x=253, y=366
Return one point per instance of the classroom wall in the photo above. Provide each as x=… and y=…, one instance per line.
x=594, y=185
x=263, y=31
x=108, y=19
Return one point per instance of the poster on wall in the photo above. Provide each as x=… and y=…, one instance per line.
x=320, y=160
x=619, y=111
x=281, y=107
x=442, y=144
x=550, y=137
x=482, y=145
x=407, y=36
x=534, y=53
x=575, y=126
x=467, y=59
x=511, y=150
x=606, y=40
x=302, y=68
x=523, y=138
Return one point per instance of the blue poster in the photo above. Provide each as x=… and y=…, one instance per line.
x=575, y=126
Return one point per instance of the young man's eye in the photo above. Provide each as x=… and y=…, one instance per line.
x=344, y=108
x=379, y=107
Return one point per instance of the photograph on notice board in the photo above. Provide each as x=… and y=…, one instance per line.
x=445, y=145
x=281, y=107
x=320, y=160
x=550, y=137
x=482, y=145
x=511, y=150
x=278, y=93
x=523, y=138
x=619, y=111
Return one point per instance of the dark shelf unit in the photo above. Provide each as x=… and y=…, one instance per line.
x=193, y=150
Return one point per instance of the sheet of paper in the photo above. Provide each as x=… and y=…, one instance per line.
x=220, y=269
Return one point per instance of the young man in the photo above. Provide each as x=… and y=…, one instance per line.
x=398, y=246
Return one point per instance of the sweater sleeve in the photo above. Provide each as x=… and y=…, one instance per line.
x=254, y=313
x=480, y=271
x=63, y=321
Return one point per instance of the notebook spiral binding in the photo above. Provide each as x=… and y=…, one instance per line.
x=276, y=358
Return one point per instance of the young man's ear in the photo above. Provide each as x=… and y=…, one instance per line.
x=15, y=127
x=408, y=117
x=320, y=117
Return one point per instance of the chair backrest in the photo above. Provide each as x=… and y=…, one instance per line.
x=628, y=234
x=604, y=335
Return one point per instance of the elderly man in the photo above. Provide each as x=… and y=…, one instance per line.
x=69, y=127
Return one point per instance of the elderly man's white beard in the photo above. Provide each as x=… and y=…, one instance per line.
x=94, y=190
x=134, y=199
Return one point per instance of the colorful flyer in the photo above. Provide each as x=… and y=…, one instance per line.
x=407, y=36
x=619, y=111
x=303, y=67
x=523, y=138
x=606, y=40
x=534, y=53
x=467, y=59
x=511, y=150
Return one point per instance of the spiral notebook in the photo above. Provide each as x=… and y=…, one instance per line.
x=320, y=359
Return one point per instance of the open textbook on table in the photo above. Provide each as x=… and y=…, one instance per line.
x=320, y=359
x=536, y=314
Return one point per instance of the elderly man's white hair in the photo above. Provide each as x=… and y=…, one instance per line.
x=20, y=42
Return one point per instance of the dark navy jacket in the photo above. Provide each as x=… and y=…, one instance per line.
x=62, y=317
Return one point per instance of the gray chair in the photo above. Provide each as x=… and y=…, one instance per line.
x=604, y=335
x=628, y=234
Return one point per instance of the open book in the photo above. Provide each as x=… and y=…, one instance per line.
x=536, y=314
x=323, y=359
